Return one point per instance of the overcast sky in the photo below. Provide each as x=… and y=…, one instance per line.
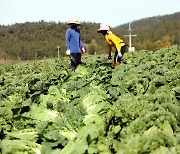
x=112, y=12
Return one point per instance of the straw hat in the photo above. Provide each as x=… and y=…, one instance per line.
x=103, y=27
x=74, y=21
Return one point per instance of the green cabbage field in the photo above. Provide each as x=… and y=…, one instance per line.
x=134, y=108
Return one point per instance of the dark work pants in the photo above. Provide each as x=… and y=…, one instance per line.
x=75, y=60
x=116, y=57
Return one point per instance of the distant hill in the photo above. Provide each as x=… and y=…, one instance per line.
x=154, y=32
x=151, y=21
x=40, y=39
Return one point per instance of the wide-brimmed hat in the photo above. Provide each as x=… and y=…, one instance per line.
x=103, y=27
x=74, y=21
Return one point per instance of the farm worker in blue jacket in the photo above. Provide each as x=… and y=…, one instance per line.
x=74, y=44
x=113, y=42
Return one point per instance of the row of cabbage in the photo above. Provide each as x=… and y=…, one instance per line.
x=133, y=108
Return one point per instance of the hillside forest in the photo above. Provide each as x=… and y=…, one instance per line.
x=41, y=39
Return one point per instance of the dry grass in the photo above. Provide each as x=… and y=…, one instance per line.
x=6, y=61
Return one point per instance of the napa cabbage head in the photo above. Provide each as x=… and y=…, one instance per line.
x=19, y=146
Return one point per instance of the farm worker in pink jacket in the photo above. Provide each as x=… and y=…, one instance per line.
x=113, y=42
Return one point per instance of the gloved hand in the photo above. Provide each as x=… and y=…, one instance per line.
x=109, y=56
x=119, y=54
x=68, y=52
x=83, y=51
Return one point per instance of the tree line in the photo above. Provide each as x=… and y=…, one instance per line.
x=41, y=39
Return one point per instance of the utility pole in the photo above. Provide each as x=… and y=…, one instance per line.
x=58, y=52
x=130, y=49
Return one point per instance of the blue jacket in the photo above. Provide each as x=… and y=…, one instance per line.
x=73, y=40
